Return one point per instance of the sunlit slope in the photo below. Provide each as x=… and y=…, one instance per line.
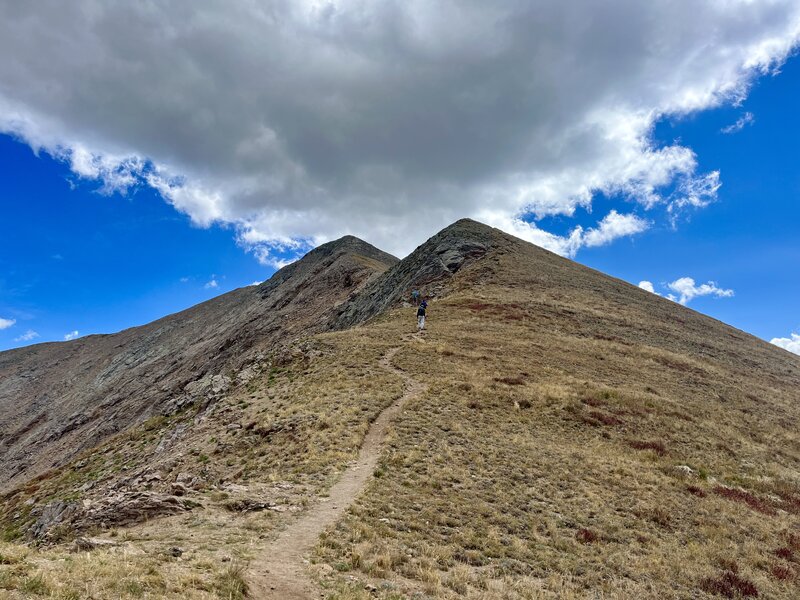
x=579, y=437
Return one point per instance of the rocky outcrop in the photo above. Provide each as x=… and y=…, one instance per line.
x=126, y=508
x=62, y=519
x=427, y=269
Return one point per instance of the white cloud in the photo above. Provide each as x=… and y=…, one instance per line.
x=610, y=228
x=648, y=286
x=72, y=335
x=6, y=323
x=264, y=253
x=613, y=226
x=184, y=279
x=212, y=284
x=746, y=119
x=27, y=336
x=256, y=283
x=688, y=289
x=697, y=193
x=792, y=344
x=297, y=122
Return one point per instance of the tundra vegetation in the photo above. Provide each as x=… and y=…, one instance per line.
x=578, y=438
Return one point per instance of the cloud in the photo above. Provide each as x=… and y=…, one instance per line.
x=6, y=323
x=297, y=122
x=746, y=119
x=697, y=192
x=71, y=335
x=255, y=283
x=648, y=287
x=265, y=254
x=212, y=284
x=687, y=290
x=610, y=228
x=792, y=344
x=27, y=336
x=613, y=226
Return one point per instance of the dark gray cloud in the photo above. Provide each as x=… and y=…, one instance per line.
x=307, y=120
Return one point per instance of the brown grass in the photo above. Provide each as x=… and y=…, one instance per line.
x=763, y=506
x=656, y=446
x=485, y=485
x=729, y=585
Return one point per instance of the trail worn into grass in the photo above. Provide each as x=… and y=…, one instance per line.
x=280, y=572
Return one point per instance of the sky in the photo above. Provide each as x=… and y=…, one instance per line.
x=154, y=155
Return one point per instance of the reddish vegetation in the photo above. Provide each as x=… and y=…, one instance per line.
x=730, y=585
x=781, y=572
x=604, y=418
x=586, y=536
x=751, y=500
x=793, y=540
x=518, y=380
x=592, y=401
x=657, y=447
x=480, y=306
x=784, y=553
x=791, y=502
x=696, y=491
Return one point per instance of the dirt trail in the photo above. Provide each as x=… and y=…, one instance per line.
x=280, y=573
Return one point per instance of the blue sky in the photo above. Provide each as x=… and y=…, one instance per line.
x=74, y=259
x=203, y=145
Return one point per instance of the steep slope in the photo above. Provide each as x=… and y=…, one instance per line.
x=60, y=398
x=427, y=270
x=570, y=436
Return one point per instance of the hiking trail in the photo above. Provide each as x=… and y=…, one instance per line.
x=280, y=571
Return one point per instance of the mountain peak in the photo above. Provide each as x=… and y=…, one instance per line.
x=426, y=269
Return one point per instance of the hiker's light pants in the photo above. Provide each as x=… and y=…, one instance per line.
x=421, y=322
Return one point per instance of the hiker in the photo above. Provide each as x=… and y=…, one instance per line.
x=415, y=297
x=421, y=315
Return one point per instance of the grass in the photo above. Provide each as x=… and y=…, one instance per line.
x=542, y=462
x=231, y=584
x=580, y=490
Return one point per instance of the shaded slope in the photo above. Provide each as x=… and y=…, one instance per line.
x=60, y=398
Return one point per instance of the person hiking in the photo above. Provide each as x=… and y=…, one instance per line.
x=421, y=315
x=415, y=297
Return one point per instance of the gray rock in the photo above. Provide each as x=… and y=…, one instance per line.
x=426, y=269
x=54, y=514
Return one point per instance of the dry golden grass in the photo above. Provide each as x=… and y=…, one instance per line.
x=300, y=425
x=578, y=439
x=551, y=455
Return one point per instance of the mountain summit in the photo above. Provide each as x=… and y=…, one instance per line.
x=554, y=433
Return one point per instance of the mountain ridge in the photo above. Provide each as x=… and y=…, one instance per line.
x=568, y=433
x=156, y=361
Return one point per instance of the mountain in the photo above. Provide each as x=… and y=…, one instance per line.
x=58, y=399
x=554, y=433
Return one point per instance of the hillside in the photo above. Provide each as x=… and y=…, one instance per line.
x=57, y=399
x=555, y=433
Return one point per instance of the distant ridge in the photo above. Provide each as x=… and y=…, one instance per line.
x=57, y=399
